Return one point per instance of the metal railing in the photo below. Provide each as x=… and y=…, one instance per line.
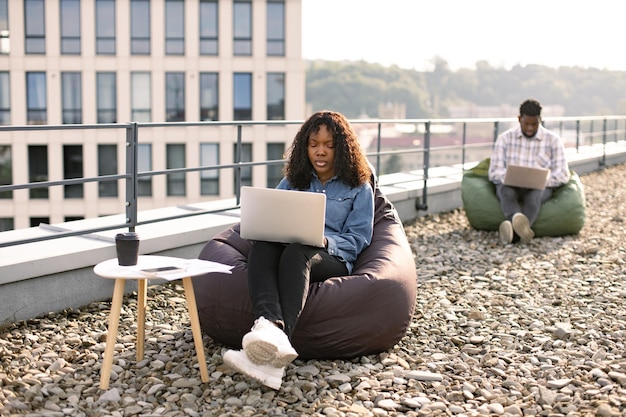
x=422, y=137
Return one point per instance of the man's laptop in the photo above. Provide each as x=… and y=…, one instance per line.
x=526, y=177
x=286, y=216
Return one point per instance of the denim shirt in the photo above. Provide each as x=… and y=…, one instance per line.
x=349, y=216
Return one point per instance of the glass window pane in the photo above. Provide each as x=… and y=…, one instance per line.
x=209, y=179
x=34, y=27
x=140, y=27
x=71, y=97
x=209, y=97
x=6, y=170
x=107, y=165
x=208, y=27
x=73, y=168
x=245, y=156
x=242, y=96
x=275, y=151
x=70, y=26
x=38, y=169
x=144, y=164
x=5, y=99
x=5, y=44
x=175, y=158
x=174, y=27
x=276, y=28
x=106, y=89
x=141, y=97
x=276, y=96
x=242, y=28
x=36, y=97
x=105, y=27
x=175, y=96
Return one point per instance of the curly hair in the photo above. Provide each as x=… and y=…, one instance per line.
x=530, y=107
x=350, y=163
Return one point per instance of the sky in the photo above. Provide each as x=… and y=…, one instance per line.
x=411, y=33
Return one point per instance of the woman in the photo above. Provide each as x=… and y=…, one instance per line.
x=325, y=157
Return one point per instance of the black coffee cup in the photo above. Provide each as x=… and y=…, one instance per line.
x=127, y=245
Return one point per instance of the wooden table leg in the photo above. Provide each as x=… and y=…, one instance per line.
x=142, y=296
x=114, y=319
x=195, y=328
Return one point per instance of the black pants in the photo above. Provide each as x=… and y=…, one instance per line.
x=532, y=201
x=279, y=276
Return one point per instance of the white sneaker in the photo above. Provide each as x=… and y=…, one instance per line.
x=266, y=344
x=521, y=225
x=506, y=232
x=265, y=374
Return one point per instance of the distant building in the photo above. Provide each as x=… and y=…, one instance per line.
x=118, y=61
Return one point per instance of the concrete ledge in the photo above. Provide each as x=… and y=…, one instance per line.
x=53, y=275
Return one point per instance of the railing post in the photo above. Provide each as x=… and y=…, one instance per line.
x=496, y=127
x=603, y=160
x=238, y=161
x=423, y=205
x=463, y=148
x=131, y=176
x=378, y=140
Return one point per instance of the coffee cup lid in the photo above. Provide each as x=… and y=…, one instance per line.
x=127, y=236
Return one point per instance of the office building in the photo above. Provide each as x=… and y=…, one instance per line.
x=84, y=62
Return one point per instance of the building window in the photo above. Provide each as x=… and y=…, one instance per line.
x=245, y=155
x=71, y=98
x=70, y=27
x=106, y=90
x=5, y=99
x=175, y=158
x=6, y=224
x=175, y=96
x=144, y=164
x=140, y=27
x=209, y=179
x=275, y=152
x=140, y=97
x=36, y=98
x=242, y=96
x=73, y=168
x=276, y=28
x=36, y=221
x=34, y=27
x=209, y=97
x=105, y=27
x=6, y=170
x=242, y=28
x=276, y=96
x=174, y=27
x=38, y=169
x=209, y=29
x=107, y=165
x=5, y=45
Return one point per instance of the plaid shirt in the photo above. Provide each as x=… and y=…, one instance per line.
x=544, y=150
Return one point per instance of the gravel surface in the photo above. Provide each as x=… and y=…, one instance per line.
x=517, y=330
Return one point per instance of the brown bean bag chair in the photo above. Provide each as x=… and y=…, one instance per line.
x=344, y=317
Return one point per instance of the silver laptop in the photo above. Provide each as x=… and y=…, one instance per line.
x=526, y=177
x=282, y=215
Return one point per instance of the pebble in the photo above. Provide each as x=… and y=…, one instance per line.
x=514, y=330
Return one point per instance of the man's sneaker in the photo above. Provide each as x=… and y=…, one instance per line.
x=521, y=226
x=506, y=232
x=266, y=374
x=266, y=344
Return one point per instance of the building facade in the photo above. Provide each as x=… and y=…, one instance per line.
x=73, y=62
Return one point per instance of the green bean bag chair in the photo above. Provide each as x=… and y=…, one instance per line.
x=563, y=214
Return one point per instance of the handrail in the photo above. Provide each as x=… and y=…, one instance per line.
x=602, y=135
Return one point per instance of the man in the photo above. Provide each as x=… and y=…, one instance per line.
x=528, y=144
